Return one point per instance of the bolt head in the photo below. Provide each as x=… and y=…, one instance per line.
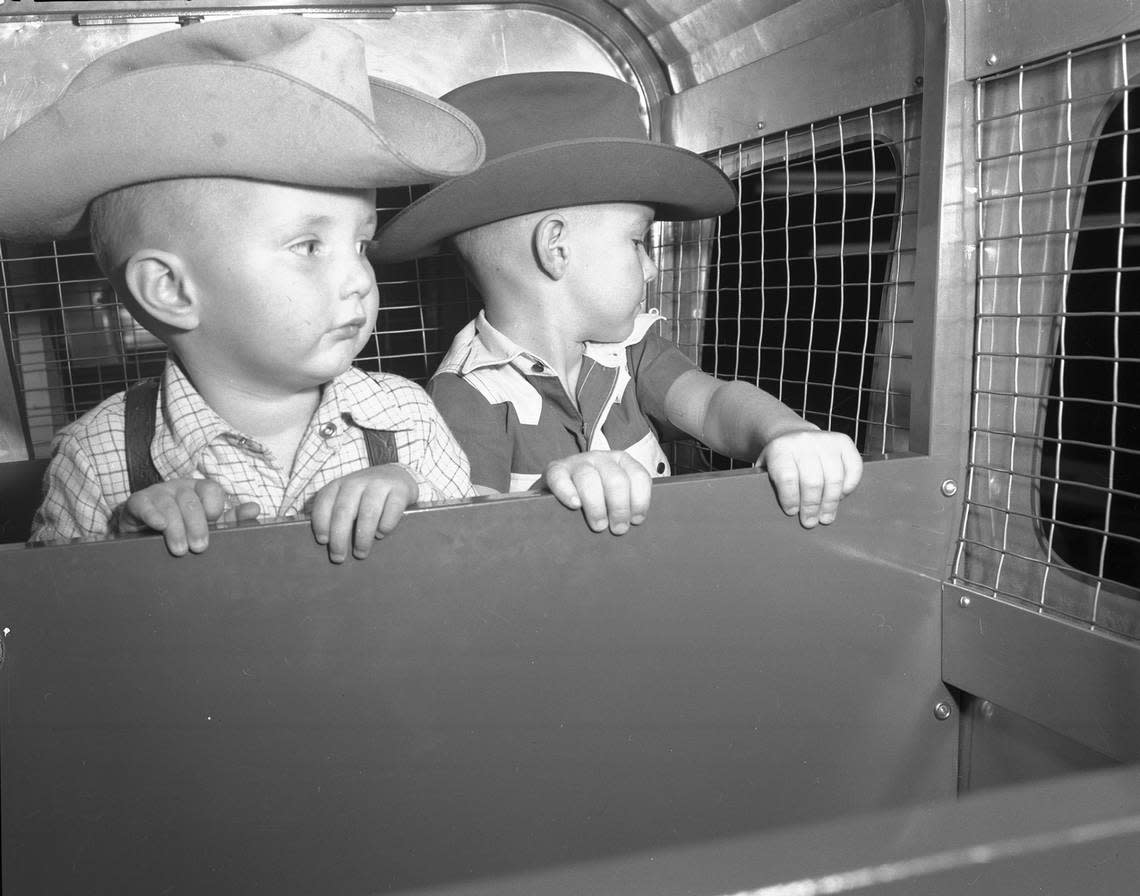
x=991, y=59
x=949, y=488
x=964, y=601
x=942, y=710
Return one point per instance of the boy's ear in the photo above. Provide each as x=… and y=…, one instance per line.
x=157, y=281
x=552, y=246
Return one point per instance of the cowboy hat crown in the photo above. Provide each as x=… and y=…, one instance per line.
x=556, y=139
x=275, y=97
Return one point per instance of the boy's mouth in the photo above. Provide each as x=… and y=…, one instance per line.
x=349, y=330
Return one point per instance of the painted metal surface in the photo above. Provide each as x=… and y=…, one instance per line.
x=860, y=62
x=1073, y=835
x=1080, y=684
x=1002, y=34
x=999, y=748
x=496, y=689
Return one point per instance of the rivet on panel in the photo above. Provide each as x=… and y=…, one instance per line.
x=964, y=601
x=759, y=125
x=949, y=488
x=991, y=59
x=942, y=710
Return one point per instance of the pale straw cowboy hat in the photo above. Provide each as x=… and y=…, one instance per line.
x=555, y=139
x=277, y=98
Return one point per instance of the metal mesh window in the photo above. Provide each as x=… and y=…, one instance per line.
x=1053, y=506
x=810, y=294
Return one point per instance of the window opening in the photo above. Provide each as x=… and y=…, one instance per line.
x=1090, y=466
x=801, y=270
x=1052, y=505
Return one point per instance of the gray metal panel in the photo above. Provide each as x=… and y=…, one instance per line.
x=1002, y=34
x=872, y=59
x=1078, y=683
x=1078, y=835
x=998, y=748
x=496, y=689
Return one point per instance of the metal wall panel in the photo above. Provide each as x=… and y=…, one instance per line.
x=496, y=689
x=876, y=58
x=1080, y=684
x=1002, y=34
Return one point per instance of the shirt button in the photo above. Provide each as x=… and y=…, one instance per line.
x=537, y=367
x=328, y=430
x=661, y=468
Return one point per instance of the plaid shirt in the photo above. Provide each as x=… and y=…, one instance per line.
x=86, y=482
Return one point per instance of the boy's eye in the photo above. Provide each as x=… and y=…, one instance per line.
x=306, y=247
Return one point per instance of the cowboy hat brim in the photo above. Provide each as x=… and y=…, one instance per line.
x=229, y=119
x=677, y=183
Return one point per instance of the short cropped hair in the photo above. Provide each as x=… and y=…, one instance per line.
x=123, y=220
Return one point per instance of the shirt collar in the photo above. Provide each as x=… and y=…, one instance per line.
x=487, y=347
x=188, y=421
x=189, y=424
x=367, y=401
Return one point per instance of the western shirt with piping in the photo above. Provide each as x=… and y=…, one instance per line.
x=512, y=416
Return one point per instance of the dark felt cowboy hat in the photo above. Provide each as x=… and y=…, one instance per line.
x=277, y=98
x=555, y=139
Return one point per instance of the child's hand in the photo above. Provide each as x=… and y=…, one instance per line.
x=357, y=509
x=610, y=487
x=812, y=471
x=182, y=510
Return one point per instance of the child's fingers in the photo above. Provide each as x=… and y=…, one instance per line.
x=785, y=478
x=615, y=479
x=394, y=509
x=852, y=468
x=811, y=487
x=592, y=495
x=191, y=520
x=640, y=489
x=211, y=497
x=834, y=479
x=342, y=520
x=369, y=515
x=245, y=512
x=320, y=512
x=561, y=485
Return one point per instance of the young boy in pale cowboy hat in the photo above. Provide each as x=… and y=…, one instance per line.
x=227, y=172
x=552, y=231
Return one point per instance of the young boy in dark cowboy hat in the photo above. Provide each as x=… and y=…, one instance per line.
x=227, y=171
x=552, y=230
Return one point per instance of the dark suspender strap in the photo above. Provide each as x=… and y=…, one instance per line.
x=141, y=404
x=381, y=447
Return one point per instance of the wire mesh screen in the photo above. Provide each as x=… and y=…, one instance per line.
x=809, y=290
x=1053, y=506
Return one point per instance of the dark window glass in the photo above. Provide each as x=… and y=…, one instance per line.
x=799, y=275
x=1090, y=491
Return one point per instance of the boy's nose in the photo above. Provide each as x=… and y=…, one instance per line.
x=360, y=279
x=648, y=267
